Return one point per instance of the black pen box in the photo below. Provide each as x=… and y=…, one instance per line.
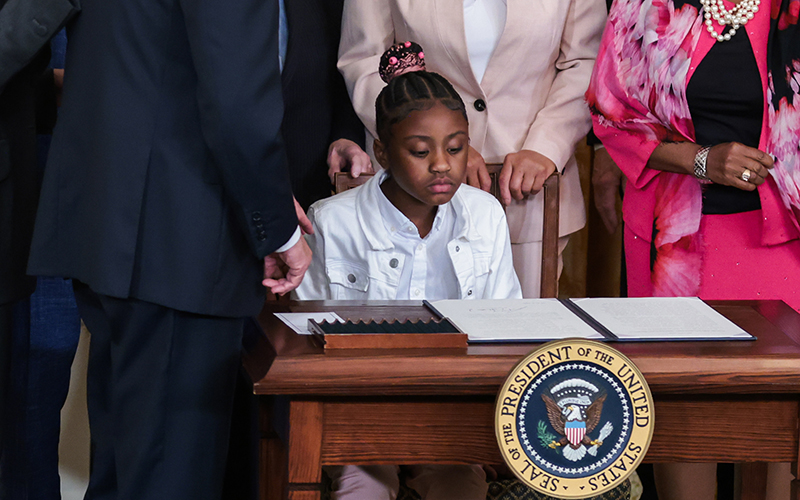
x=433, y=334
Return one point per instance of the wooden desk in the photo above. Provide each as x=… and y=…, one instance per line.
x=715, y=401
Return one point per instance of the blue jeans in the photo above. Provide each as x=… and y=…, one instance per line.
x=45, y=336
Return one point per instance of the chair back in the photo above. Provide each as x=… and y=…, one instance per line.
x=549, y=271
x=343, y=182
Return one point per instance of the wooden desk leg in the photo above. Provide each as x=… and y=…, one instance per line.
x=754, y=481
x=272, y=454
x=305, y=450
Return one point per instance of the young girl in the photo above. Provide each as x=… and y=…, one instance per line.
x=413, y=231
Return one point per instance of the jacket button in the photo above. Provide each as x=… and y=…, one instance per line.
x=351, y=278
x=394, y=263
x=262, y=236
x=469, y=292
x=458, y=248
x=256, y=216
x=480, y=105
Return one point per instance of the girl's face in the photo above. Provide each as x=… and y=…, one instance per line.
x=426, y=157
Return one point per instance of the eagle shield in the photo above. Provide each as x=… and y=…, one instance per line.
x=575, y=431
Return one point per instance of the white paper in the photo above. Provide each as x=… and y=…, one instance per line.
x=515, y=320
x=669, y=318
x=299, y=321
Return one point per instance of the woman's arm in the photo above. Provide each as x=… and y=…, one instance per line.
x=367, y=31
x=641, y=138
x=725, y=164
x=565, y=119
x=618, y=94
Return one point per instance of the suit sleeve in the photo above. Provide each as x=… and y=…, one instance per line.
x=367, y=31
x=25, y=26
x=234, y=48
x=565, y=118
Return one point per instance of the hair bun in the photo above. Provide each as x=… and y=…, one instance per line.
x=401, y=58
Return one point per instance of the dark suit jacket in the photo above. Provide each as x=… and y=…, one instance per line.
x=318, y=108
x=25, y=26
x=167, y=179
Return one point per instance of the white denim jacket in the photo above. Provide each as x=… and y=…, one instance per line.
x=354, y=258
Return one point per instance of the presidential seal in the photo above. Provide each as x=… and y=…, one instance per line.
x=574, y=418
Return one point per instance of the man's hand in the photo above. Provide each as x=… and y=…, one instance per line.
x=344, y=154
x=606, y=180
x=523, y=174
x=477, y=173
x=302, y=219
x=284, y=271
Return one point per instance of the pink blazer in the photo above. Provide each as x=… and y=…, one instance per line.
x=533, y=86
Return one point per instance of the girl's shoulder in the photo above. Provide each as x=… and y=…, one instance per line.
x=479, y=211
x=336, y=205
x=478, y=201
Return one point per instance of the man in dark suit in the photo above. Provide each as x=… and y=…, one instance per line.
x=319, y=121
x=167, y=200
x=25, y=27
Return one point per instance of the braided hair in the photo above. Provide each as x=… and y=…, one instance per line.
x=410, y=88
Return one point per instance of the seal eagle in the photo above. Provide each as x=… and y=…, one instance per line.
x=573, y=428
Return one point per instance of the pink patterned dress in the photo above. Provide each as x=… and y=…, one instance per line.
x=638, y=99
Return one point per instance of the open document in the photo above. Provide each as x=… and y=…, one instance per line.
x=515, y=320
x=299, y=321
x=661, y=318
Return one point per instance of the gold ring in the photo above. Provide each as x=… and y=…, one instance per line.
x=746, y=175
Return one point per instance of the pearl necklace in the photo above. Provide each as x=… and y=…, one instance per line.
x=738, y=16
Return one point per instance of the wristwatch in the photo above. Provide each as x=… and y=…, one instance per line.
x=700, y=160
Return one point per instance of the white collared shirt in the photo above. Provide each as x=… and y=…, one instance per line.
x=356, y=258
x=428, y=273
x=484, y=21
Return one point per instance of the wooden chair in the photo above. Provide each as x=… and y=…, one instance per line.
x=549, y=286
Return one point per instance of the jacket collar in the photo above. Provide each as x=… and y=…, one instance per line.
x=372, y=224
